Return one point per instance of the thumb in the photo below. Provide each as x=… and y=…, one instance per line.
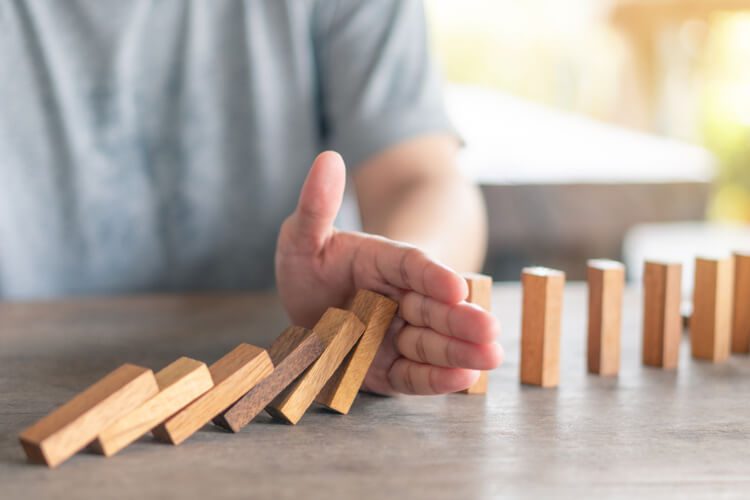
x=319, y=202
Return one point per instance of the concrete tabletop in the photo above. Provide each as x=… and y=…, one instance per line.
x=646, y=433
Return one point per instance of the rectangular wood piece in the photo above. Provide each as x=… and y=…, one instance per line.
x=376, y=312
x=291, y=353
x=540, y=326
x=711, y=322
x=180, y=383
x=234, y=375
x=480, y=293
x=741, y=304
x=339, y=330
x=606, y=282
x=662, y=321
x=72, y=426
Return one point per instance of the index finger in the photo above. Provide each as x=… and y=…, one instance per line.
x=409, y=268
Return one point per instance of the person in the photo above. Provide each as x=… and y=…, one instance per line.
x=160, y=146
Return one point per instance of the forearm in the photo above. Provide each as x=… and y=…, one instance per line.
x=415, y=193
x=445, y=217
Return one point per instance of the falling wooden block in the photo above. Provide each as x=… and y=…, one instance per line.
x=233, y=375
x=741, y=304
x=711, y=322
x=376, y=312
x=540, y=325
x=291, y=353
x=606, y=280
x=339, y=330
x=72, y=426
x=180, y=383
x=480, y=293
x=662, y=321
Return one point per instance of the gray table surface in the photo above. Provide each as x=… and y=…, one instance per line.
x=645, y=433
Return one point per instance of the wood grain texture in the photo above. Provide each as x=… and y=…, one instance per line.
x=741, y=304
x=291, y=353
x=72, y=426
x=480, y=293
x=647, y=428
x=711, y=322
x=540, y=326
x=233, y=375
x=339, y=330
x=606, y=282
x=376, y=312
x=180, y=383
x=662, y=321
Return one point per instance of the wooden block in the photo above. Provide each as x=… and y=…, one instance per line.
x=376, y=312
x=540, y=326
x=741, y=304
x=72, y=426
x=480, y=293
x=291, y=353
x=662, y=320
x=180, y=383
x=339, y=330
x=606, y=280
x=233, y=375
x=711, y=322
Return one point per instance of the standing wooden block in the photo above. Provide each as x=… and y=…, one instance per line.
x=292, y=352
x=480, y=293
x=540, y=326
x=606, y=280
x=72, y=426
x=741, y=304
x=180, y=383
x=376, y=312
x=662, y=321
x=339, y=330
x=711, y=323
x=233, y=375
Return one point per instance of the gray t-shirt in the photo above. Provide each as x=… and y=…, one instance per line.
x=159, y=144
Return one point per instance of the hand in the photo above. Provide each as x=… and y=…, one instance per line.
x=435, y=345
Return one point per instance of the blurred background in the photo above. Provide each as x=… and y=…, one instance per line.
x=602, y=128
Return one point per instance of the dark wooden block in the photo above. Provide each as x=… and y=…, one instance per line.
x=291, y=353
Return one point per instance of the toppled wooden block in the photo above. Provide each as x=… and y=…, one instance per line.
x=291, y=353
x=72, y=426
x=233, y=375
x=480, y=293
x=376, y=312
x=662, y=322
x=711, y=322
x=741, y=315
x=180, y=383
x=540, y=326
x=339, y=330
x=606, y=282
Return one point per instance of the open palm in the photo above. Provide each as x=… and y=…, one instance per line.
x=437, y=343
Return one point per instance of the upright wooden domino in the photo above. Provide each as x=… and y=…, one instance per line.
x=339, y=330
x=741, y=304
x=662, y=321
x=540, y=325
x=233, y=375
x=180, y=383
x=376, y=312
x=72, y=426
x=480, y=293
x=291, y=353
x=711, y=322
x=606, y=281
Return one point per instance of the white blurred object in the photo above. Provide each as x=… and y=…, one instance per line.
x=682, y=242
x=510, y=140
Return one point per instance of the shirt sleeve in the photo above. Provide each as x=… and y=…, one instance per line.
x=378, y=83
